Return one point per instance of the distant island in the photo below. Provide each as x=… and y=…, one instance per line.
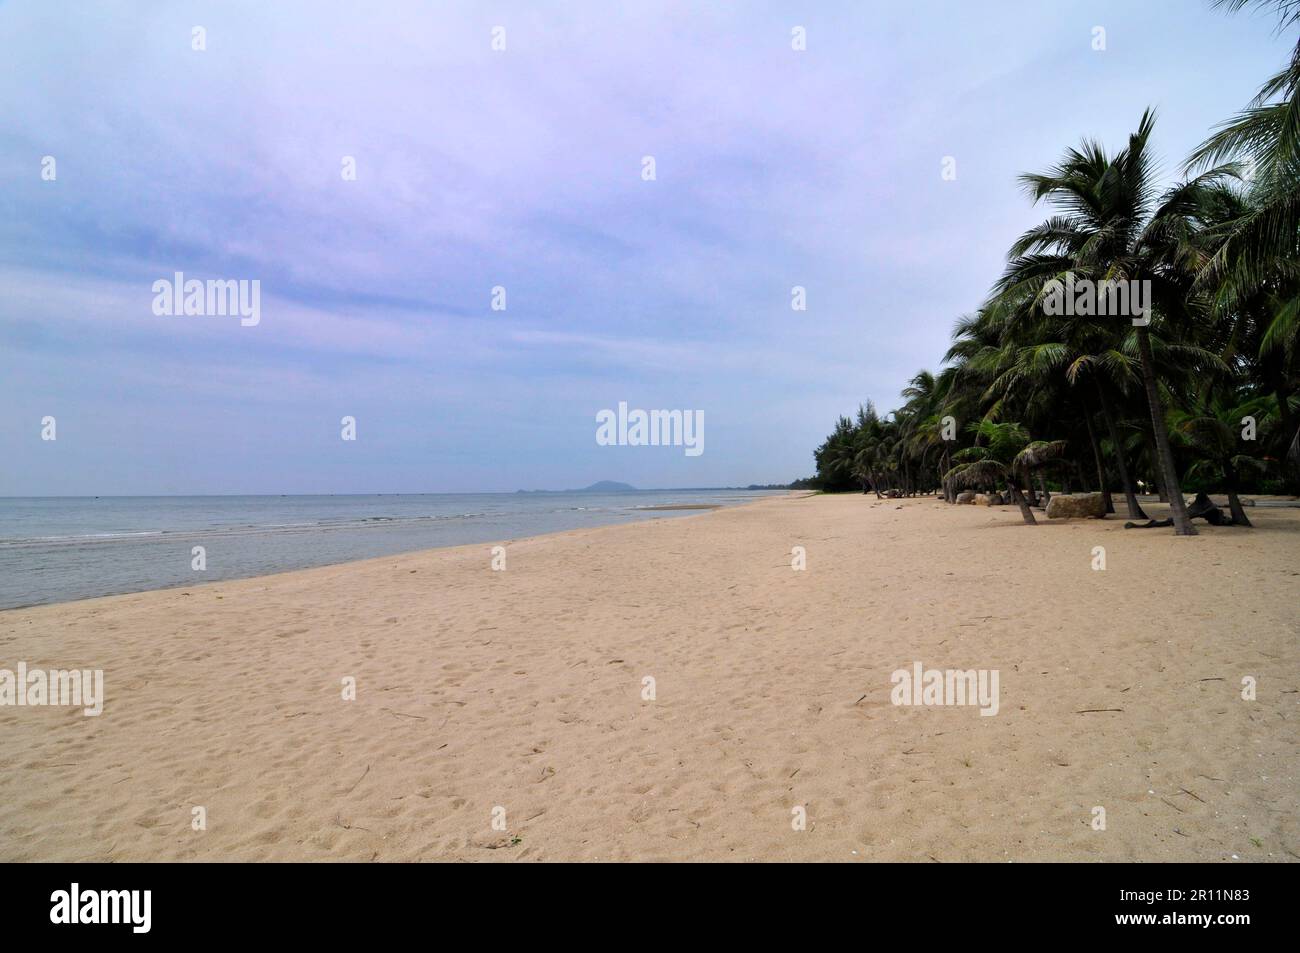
x=601, y=486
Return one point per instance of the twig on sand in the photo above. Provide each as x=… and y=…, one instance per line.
x=1088, y=711
x=1192, y=794
x=359, y=780
x=402, y=714
x=350, y=827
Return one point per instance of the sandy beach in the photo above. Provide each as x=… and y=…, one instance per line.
x=517, y=695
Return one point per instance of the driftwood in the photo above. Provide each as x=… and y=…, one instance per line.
x=1202, y=507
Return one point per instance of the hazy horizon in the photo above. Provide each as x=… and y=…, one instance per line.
x=574, y=489
x=522, y=168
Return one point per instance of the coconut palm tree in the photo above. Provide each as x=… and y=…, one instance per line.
x=1142, y=399
x=1257, y=260
x=997, y=459
x=1213, y=430
x=1113, y=226
x=1266, y=135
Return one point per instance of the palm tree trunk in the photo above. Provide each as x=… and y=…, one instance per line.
x=1177, y=506
x=1096, y=455
x=1018, y=497
x=1290, y=433
x=1237, y=510
x=1234, y=501
x=1130, y=491
x=1042, y=485
x=1162, y=493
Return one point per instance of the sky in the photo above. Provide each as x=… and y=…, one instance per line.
x=522, y=168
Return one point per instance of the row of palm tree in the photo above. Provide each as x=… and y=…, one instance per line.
x=1204, y=392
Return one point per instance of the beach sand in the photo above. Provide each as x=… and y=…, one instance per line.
x=522, y=690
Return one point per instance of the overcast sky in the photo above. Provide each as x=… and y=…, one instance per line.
x=522, y=168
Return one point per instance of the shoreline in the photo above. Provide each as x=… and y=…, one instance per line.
x=484, y=546
x=524, y=689
x=101, y=565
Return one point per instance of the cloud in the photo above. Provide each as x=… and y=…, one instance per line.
x=523, y=169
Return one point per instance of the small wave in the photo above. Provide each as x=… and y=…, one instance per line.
x=246, y=529
x=81, y=537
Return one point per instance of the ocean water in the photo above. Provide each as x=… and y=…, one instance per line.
x=60, y=548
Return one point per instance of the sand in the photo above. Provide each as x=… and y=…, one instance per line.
x=518, y=695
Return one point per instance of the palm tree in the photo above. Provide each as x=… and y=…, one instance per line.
x=1255, y=268
x=998, y=459
x=1212, y=429
x=1113, y=226
x=1267, y=135
x=1151, y=398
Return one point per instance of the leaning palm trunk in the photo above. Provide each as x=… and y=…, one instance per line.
x=1036, y=456
x=1234, y=501
x=1165, y=457
x=1013, y=480
x=982, y=474
x=1130, y=492
x=1237, y=511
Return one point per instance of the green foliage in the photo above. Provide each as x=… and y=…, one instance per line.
x=1221, y=251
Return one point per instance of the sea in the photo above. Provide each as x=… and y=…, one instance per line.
x=56, y=549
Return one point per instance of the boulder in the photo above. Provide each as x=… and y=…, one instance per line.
x=988, y=499
x=966, y=496
x=1064, y=506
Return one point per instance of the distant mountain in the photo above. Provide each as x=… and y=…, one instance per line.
x=607, y=486
x=613, y=486
x=604, y=486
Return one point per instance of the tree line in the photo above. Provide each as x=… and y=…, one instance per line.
x=1139, y=339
